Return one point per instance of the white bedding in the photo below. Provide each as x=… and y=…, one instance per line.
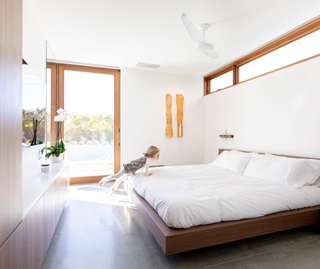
x=186, y=196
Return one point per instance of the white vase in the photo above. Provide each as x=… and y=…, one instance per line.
x=31, y=156
x=31, y=162
x=55, y=159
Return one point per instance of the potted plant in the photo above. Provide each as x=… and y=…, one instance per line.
x=58, y=148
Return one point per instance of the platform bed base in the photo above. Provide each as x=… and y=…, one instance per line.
x=174, y=241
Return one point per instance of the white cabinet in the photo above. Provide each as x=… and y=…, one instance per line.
x=43, y=202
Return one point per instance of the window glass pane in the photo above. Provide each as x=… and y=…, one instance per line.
x=89, y=98
x=221, y=82
x=293, y=52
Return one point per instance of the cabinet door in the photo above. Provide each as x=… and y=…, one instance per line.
x=62, y=187
x=11, y=253
x=10, y=117
x=49, y=215
x=33, y=237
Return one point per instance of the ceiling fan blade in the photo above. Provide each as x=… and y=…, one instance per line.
x=211, y=53
x=192, y=30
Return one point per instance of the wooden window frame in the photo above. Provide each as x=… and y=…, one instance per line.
x=294, y=35
x=57, y=101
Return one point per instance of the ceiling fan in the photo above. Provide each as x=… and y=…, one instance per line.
x=198, y=36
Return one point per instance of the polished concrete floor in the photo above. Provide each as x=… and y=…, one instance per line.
x=97, y=231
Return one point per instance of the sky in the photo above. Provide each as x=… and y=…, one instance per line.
x=89, y=93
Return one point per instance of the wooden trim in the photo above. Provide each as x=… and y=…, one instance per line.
x=60, y=93
x=174, y=241
x=281, y=155
x=81, y=180
x=117, y=123
x=206, y=86
x=294, y=35
x=235, y=74
x=54, y=97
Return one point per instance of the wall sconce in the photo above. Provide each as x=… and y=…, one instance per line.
x=226, y=135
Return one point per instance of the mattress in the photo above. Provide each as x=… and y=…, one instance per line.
x=192, y=195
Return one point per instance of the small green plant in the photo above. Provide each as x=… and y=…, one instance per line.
x=55, y=150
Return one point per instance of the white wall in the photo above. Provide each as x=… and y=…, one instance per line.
x=276, y=113
x=143, y=118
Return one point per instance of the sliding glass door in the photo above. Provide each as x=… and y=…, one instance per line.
x=91, y=97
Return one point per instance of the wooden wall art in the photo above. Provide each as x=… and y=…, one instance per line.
x=169, y=131
x=179, y=99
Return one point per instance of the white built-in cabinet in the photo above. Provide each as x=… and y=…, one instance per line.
x=43, y=201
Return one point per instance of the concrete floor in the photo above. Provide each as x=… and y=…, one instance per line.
x=98, y=231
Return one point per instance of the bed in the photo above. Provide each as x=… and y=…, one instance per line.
x=173, y=238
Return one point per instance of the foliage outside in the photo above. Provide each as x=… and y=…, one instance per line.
x=89, y=129
x=33, y=126
x=79, y=129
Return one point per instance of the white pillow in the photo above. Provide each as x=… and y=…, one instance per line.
x=304, y=172
x=317, y=182
x=233, y=160
x=291, y=172
x=268, y=168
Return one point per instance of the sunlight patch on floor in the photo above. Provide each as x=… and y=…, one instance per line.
x=94, y=194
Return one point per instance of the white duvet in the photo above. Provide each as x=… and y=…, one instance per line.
x=191, y=195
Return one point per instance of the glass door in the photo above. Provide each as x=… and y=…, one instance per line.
x=91, y=97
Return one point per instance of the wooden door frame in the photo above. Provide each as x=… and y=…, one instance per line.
x=57, y=101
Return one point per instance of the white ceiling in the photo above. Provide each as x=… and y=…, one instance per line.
x=123, y=32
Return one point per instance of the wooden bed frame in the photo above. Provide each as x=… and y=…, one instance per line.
x=174, y=241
